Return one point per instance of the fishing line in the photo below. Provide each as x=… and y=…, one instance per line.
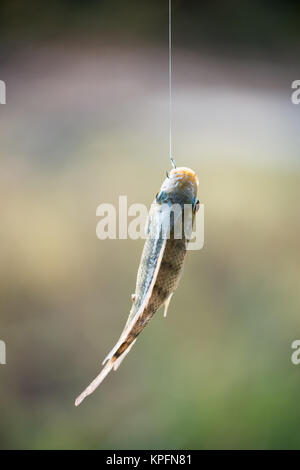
x=170, y=84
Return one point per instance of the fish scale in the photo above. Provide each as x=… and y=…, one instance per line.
x=167, y=281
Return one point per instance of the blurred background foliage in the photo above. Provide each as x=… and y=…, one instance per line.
x=86, y=120
x=258, y=25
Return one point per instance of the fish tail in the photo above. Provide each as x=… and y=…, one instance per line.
x=113, y=363
x=95, y=383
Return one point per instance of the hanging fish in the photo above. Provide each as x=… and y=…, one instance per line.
x=161, y=262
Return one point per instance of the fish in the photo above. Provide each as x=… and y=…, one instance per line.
x=168, y=231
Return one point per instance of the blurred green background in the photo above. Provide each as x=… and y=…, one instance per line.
x=86, y=120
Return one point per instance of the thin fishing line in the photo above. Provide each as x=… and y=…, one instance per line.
x=170, y=84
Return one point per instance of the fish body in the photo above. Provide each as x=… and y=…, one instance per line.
x=161, y=262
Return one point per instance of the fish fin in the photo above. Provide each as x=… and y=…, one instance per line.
x=120, y=358
x=149, y=293
x=167, y=302
x=131, y=322
x=112, y=364
x=95, y=383
x=133, y=297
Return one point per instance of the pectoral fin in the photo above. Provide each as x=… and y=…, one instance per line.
x=167, y=302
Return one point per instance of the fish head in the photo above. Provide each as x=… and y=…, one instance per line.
x=177, y=202
x=180, y=187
